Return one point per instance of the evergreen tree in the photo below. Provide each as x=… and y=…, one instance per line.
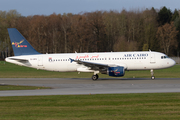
x=175, y=15
x=164, y=16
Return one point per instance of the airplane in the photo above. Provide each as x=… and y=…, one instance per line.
x=111, y=63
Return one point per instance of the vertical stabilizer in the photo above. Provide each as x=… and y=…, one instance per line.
x=19, y=44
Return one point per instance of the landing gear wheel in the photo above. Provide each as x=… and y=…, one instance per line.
x=152, y=77
x=95, y=77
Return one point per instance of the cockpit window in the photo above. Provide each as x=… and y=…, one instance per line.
x=164, y=57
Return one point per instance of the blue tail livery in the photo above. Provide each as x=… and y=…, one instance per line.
x=19, y=44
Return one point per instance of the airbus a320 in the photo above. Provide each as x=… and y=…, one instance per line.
x=111, y=63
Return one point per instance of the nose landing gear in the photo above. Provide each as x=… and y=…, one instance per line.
x=152, y=74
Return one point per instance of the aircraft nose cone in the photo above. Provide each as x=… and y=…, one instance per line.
x=172, y=62
x=6, y=59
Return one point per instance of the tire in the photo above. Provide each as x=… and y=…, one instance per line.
x=152, y=77
x=95, y=77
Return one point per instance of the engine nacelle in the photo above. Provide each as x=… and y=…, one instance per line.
x=116, y=71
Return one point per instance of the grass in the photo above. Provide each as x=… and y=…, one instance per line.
x=148, y=106
x=152, y=106
x=172, y=72
x=8, y=70
x=17, y=87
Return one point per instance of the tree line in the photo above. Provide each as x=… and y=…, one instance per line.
x=98, y=31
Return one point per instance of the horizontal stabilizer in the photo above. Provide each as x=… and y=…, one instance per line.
x=19, y=60
x=22, y=60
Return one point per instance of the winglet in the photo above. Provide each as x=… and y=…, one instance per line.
x=19, y=44
x=71, y=60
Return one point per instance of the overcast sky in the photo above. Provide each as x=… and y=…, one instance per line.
x=47, y=7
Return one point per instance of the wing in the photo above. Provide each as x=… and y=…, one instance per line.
x=93, y=65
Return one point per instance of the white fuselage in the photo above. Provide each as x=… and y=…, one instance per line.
x=129, y=60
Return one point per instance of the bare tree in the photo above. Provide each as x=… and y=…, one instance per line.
x=167, y=34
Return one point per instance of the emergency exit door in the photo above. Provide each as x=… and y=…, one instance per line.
x=152, y=58
x=40, y=61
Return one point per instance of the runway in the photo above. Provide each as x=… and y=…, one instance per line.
x=76, y=86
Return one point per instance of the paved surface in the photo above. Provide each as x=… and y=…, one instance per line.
x=72, y=86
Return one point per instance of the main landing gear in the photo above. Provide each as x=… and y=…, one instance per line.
x=152, y=74
x=95, y=77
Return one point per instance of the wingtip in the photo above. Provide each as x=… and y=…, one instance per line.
x=71, y=60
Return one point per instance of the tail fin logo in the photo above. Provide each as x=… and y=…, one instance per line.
x=18, y=44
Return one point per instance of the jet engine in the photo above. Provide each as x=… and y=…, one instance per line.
x=114, y=71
